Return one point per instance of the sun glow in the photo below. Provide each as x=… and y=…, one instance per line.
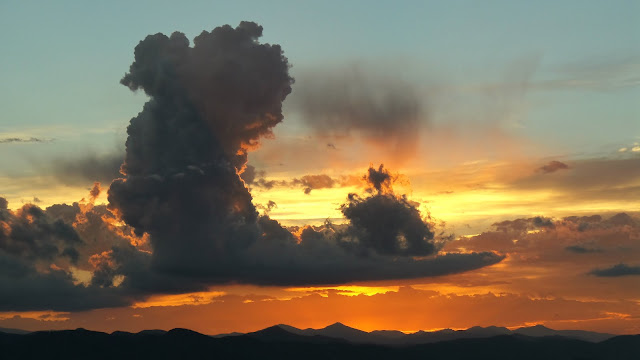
x=194, y=298
x=346, y=290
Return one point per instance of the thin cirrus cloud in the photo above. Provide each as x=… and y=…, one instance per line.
x=23, y=140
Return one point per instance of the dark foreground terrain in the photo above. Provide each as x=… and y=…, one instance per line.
x=278, y=343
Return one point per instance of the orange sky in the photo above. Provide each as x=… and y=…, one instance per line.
x=543, y=280
x=494, y=222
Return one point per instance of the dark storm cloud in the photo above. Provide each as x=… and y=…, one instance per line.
x=189, y=219
x=38, y=249
x=31, y=235
x=227, y=82
x=35, y=249
x=209, y=106
x=379, y=179
x=617, y=270
x=386, y=223
x=553, y=166
x=345, y=102
x=25, y=288
x=389, y=225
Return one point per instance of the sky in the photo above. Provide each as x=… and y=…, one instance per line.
x=227, y=166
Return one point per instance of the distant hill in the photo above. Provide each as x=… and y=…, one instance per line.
x=278, y=333
x=280, y=342
x=13, y=331
x=540, y=330
x=392, y=337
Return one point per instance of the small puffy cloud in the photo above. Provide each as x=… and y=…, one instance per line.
x=553, y=166
x=620, y=269
x=311, y=182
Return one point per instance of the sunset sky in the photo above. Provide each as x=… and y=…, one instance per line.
x=227, y=166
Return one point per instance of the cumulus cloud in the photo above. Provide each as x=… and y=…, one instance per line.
x=31, y=235
x=31, y=289
x=209, y=106
x=386, y=223
x=603, y=237
x=558, y=260
x=37, y=253
x=182, y=218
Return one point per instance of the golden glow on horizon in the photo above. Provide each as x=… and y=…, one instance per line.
x=48, y=190
x=346, y=290
x=447, y=194
x=36, y=315
x=452, y=289
x=294, y=204
x=194, y=298
x=516, y=281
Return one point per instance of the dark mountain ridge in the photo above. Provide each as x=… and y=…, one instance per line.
x=394, y=337
x=278, y=343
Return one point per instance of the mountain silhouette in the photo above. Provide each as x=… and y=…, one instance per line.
x=278, y=333
x=13, y=331
x=394, y=337
x=277, y=342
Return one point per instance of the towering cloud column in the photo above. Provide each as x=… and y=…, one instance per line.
x=209, y=106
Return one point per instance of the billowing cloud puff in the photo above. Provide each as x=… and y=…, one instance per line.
x=209, y=105
x=182, y=218
x=37, y=254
